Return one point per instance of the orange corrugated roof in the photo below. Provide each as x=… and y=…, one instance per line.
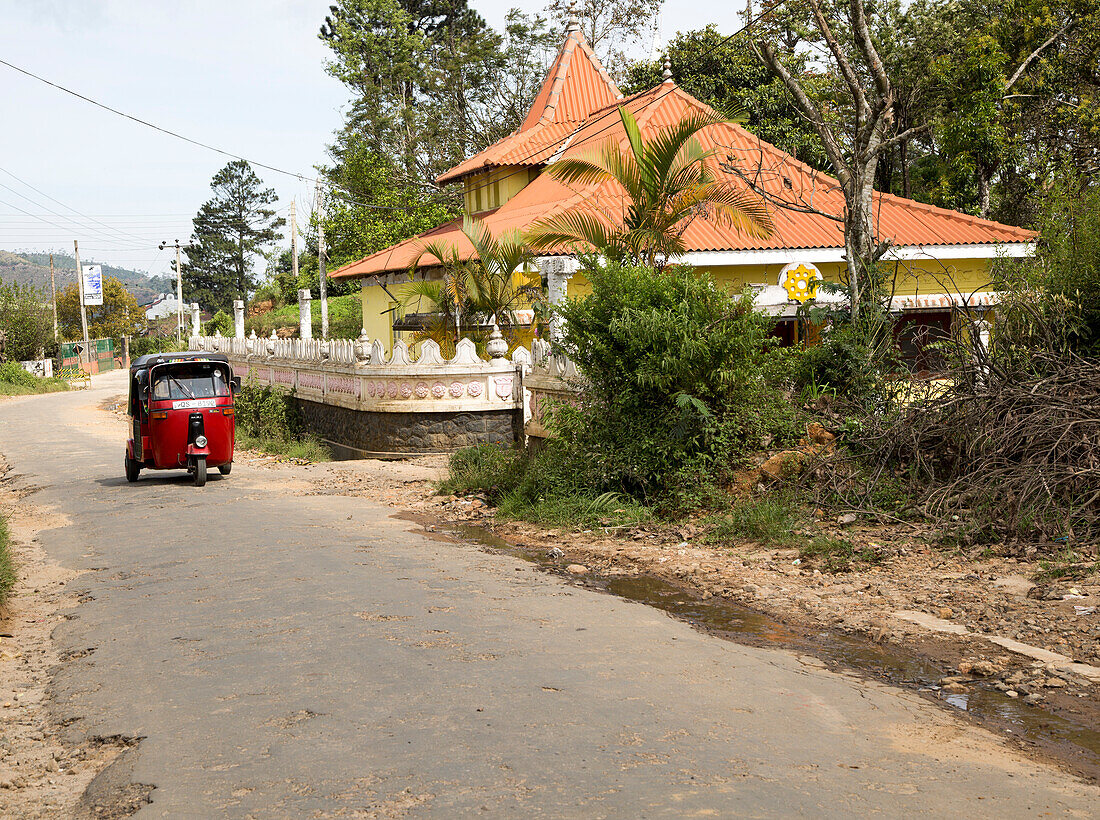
x=782, y=177
x=576, y=85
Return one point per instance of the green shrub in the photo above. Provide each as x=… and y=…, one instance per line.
x=267, y=412
x=26, y=320
x=683, y=381
x=15, y=381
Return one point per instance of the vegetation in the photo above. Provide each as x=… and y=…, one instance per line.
x=230, y=230
x=268, y=419
x=472, y=293
x=15, y=381
x=345, y=318
x=7, y=562
x=25, y=320
x=118, y=316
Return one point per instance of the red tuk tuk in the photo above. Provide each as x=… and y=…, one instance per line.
x=183, y=414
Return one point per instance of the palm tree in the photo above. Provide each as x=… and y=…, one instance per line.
x=668, y=183
x=473, y=291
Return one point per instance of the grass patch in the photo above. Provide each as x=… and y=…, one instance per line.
x=15, y=381
x=7, y=563
x=486, y=468
x=607, y=510
x=770, y=521
x=836, y=554
x=307, y=447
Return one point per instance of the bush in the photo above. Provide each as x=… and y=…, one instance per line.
x=682, y=379
x=26, y=321
x=15, y=381
x=268, y=413
x=268, y=419
x=486, y=468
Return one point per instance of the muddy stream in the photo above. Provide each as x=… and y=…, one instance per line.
x=1073, y=745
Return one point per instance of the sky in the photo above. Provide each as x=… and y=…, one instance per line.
x=246, y=76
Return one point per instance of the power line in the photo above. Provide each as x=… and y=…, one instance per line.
x=198, y=143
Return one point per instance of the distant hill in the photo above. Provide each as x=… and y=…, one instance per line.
x=34, y=269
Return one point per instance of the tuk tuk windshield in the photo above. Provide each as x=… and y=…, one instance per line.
x=199, y=380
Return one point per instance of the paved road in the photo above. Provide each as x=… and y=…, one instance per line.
x=288, y=654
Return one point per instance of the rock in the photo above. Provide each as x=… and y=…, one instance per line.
x=1033, y=700
x=1012, y=693
x=819, y=435
x=577, y=569
x=982, y=669
x=555, y=554
x=955, y=689
x=947, y=681
x=1014, y=585
x=784, y=465
x=847, y=519
x=1053, y=683
x=945, y=612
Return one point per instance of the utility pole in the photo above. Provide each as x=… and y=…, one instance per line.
x=53, y=292
x=294, y=242
x=179, y=291
x=86, y=355
x=322, y=275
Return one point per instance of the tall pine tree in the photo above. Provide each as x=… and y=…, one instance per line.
x=230, y=230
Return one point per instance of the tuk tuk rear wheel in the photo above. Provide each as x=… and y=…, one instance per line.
x=225, y=469
x=132, y=469
x=200, y=471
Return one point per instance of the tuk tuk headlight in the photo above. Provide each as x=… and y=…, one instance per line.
x=200, y=441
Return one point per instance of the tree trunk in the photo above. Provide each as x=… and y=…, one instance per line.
x=905, y=189
x=983, y=193
x=859, y=230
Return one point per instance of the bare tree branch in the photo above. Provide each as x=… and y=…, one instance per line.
x=1035, y=54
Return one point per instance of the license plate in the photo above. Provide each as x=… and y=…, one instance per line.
x=192, y=404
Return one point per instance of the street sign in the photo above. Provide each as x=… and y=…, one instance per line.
x=93, y=285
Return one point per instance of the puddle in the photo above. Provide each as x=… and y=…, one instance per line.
x=1072, y=743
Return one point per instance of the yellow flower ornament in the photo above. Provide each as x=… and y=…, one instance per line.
x=800, y=281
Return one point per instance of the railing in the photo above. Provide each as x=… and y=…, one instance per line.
x=362, y=376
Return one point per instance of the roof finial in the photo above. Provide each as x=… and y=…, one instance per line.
x=573, y=24
x=666, y=74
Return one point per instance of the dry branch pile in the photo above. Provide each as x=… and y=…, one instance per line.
x=1017, y=454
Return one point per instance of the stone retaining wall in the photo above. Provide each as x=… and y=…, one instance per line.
x=380, y=434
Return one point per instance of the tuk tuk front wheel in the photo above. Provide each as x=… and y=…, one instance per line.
x=200, y=471
x=132, y=469
x=225, y=469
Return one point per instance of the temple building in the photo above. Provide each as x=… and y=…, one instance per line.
x=942, y=258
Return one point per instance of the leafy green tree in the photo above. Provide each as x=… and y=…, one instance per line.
x=414, y=68
x=728, y=77
x=369, y=207
x=668, y=182
x=25, y=319
x=119, y=315
x=230, y=230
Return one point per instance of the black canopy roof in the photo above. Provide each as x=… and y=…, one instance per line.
x=153, y=359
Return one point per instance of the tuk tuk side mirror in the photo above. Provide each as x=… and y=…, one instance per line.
x=235, y=384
